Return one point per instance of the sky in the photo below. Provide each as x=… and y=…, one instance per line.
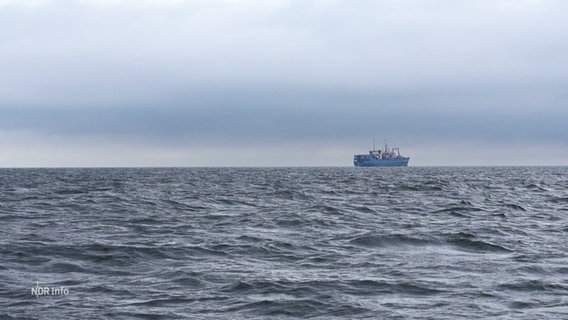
x=282, y=82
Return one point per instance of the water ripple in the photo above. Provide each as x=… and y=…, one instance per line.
x=281, y=243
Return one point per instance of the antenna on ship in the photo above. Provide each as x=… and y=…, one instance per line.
x=374, y=144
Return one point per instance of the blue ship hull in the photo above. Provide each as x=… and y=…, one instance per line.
x=365, y=160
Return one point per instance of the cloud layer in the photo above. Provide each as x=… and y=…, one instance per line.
x=249, y=74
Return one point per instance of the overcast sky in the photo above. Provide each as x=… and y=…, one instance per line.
x=282, y=82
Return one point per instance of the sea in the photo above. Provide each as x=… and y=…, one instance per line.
x=284, y=243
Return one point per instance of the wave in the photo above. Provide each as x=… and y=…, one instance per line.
x=477, y=246
x=514, y=206
x=559, y=200
x=533, y=286
x=373, y=239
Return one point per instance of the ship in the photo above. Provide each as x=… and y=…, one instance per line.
x=388, y=157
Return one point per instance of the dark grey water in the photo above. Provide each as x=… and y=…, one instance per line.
x=325, y=243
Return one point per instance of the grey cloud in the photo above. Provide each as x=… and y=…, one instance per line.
x=253, y=126
x=255, y=72
x=69, y=52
